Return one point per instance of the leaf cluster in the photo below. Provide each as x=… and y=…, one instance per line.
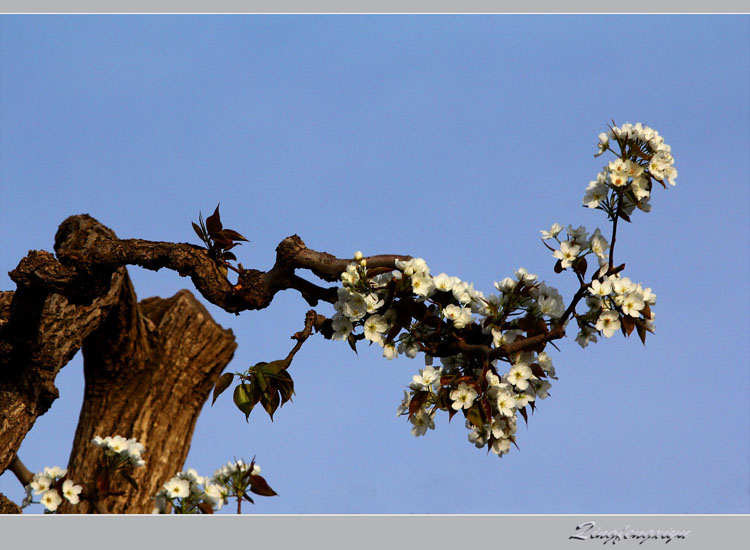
x=269, y=384
x=218, y=240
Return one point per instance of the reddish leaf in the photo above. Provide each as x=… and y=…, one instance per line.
x=352, y=343
x=233, y=235
x=474, y=415
x=205, y=507
x=522, y=410
x=628, y=324
x=259, y=486
x=213, y=222
x=417, y=401
x=537, y=370
x=581, y=265
x=199, y=231
x=641, y=331
x=443, y=401
x=647, y=312
x=224, y=381
x=487, y=408
x=395, y=329
x=526, y=324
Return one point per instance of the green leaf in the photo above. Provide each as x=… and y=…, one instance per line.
x=274, y=367
x=261, y=380
x=224, y=381
x=271, y=403
x=244, y=399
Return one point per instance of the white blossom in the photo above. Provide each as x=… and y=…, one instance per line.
x=463, y=397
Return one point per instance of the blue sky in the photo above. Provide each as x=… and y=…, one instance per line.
x=452, y=138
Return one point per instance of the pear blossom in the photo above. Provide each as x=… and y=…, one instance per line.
x=40, y=483
x=506, y=403
x=601, y=288
x=632, y=304
x=553, y=231
x=389, y=351
x=519, y=375
x=568, y=253
x=599, y=244
x=596, y=192
x=71, y=491
x=51, y=500
x=342, y=327
x=463, y=397
x=426, y=378
x=608, y=323
x=177, y=488
x=374, y=328
x=444, y=282
x=422, y=285
x=501, y=446
x=603, y=144
x=422, y=421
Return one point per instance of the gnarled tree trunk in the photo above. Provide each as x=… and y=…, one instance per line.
x=149, y=367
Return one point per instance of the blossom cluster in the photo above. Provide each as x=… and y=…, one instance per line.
x=49, y=484
x=187, y=492
x=190, y=493
x=615, y=303
x=643, y=158
x=121, y=449
x=578, y=244
x=408, y=311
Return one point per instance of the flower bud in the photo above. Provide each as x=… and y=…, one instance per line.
x=358, y=255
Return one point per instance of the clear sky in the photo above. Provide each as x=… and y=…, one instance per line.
x=452, y=138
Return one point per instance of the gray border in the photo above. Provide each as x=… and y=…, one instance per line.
x=728, y=532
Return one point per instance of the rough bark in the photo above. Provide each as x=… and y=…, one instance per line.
x=148, y=370
x=7, y=506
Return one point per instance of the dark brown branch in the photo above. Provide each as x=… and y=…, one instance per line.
x=87, y=249
x=21, y=472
